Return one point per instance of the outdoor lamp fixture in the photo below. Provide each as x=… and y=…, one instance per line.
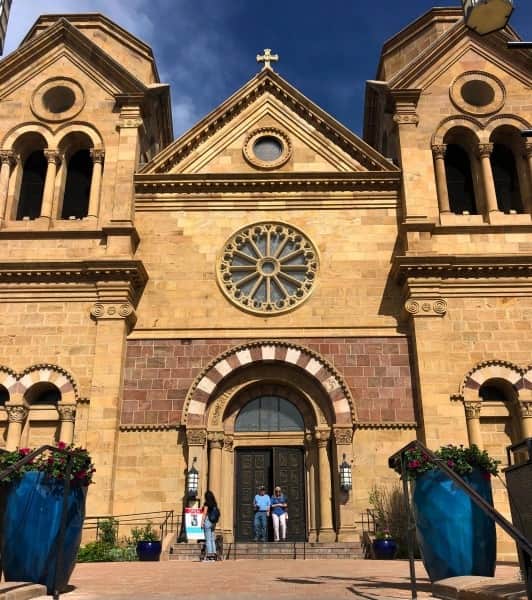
x=192, y=480
x=487, y=16
x=346, y=478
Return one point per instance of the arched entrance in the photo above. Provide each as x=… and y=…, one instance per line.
x=281, y=414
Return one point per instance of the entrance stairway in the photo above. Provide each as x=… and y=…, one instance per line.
x=273, y=550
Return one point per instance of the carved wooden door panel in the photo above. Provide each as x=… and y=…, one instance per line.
x=288, y=473
x=253, y=468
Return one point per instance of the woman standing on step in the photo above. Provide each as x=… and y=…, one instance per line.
x=209, y=518
x=279, y=506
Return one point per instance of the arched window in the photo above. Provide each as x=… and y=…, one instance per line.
x=78, y=186
x=506, y=180
x=4, y=395
x=459, y=180
x=32, y=186
x=43, y=393
x=269, y=413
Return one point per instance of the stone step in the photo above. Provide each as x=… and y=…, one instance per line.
x=18, y=590
x=273, y=550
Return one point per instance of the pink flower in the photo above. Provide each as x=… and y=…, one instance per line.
x=61, y=445
x=486, y=475
x=450, y=463
x=414, y=464
x=24, y=451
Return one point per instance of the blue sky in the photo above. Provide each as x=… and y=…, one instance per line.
x=206, y=48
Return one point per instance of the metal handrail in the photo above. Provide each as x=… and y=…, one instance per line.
x=167, y=523
x=399, y=459
x=66, y=488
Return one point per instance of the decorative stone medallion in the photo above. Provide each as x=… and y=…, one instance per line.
x=58, y=99
x=267, y=148
x=268, y=268
x=477, y=93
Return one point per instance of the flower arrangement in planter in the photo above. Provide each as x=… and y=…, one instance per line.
x=148, y=542
x=455, y=536
x=34, y=500
x=384, y=546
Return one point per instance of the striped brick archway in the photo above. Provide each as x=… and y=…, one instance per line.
x=490, y=369
x=310, y=362
x=17, y=384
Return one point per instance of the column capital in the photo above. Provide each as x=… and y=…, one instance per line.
x=229, y=441
x=196, y=437
x=438, y=150
x=406, y=118
x=52, y=156
x=215, y=439
x=97, y=155
x=484, y=150
x=322, y=437
x=472, y=408
x=67, y=412
x=343, y=436
x=16, y=413
x=528, y=150
x=426, y=307
x=114, y=311
x=8, y=157
x=525, y=408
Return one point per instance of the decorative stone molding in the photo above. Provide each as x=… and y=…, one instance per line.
x=196, y=437
x=386, y=425
x=472, y=408
x=439, y=150
x=426, y=308
x=67, y=412
x=228, y=443
x=490, y=369
x=16, y=413
x=52, y=156
x=49, y=373
x=493, y=91
x=280, y=136
x=215, y=439
x=484, y=150
x=524, y=409
x=343, y=436
x=112, y=310
x=310, y=362
x=528, y=150
x=97, y=155
x=8, y=157
x=406, y=119
x=139, y=427
x=322, y=437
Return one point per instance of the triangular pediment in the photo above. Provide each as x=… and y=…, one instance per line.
x=447, y=50
x=60, y=41
x=268, y=104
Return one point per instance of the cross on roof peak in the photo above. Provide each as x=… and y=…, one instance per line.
x=266, y=58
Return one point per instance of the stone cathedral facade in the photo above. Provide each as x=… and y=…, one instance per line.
x=269, y=295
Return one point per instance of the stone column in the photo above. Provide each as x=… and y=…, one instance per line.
x=16, y=416
x=113, y=321
x=227, y=493
x=525, y=414
x=472, y=413
x=346, y=530
x=196, y=439
x=215, y=463
x=490, y=195
x=326, y=533
x=528, y=153
x=7, y=158
x=96, y=182
x=53, y=158
x=67, y=417
x=311, y=464
x=438, y=152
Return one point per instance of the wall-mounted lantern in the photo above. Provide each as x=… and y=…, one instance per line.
x=346, y=477
x=192, y=480
x=487, y=16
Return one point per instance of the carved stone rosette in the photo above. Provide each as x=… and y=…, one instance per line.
x=406, y=119
x=67, y=412
x=426, y=308
x=16, y=414
x=472, y=408
x=343, y=436
x=114, y=311
x=196, y=437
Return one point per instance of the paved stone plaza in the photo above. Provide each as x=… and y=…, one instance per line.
x=246, y=579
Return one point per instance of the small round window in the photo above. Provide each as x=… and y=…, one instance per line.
x=477, y=92
x=58, y=99
x=267, y=148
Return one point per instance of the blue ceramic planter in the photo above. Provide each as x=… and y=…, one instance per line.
x=454, y=535
x=149, y=550
x=384, y=549
x=32, y=520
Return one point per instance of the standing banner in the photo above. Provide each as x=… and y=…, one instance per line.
x=193, y=528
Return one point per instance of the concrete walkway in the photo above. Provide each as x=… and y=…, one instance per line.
x=250, y=579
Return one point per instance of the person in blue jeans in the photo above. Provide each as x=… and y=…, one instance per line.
x=261, y=504
x=209, y=526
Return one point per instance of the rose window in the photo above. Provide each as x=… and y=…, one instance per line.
x=268, y=267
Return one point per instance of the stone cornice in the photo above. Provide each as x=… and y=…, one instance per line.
x=89, y=271
x=386, y=425
x=139, y=427
x=261, y=183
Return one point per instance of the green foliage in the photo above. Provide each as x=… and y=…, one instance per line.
x=391, y=517
x=460, y=459
x=94, y=552
x=53, y=463
x=107, y=531
x=144, y=534
x=123, y=554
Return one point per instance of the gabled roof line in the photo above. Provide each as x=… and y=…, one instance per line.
x=269, y=81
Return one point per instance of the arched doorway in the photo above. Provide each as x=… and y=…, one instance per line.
x=270, y=413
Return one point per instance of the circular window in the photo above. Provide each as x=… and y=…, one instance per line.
x=267, y=148
x=268, y=268
x=58, y=99
x=477, y=93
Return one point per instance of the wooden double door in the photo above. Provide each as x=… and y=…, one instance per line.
x=282, y=466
